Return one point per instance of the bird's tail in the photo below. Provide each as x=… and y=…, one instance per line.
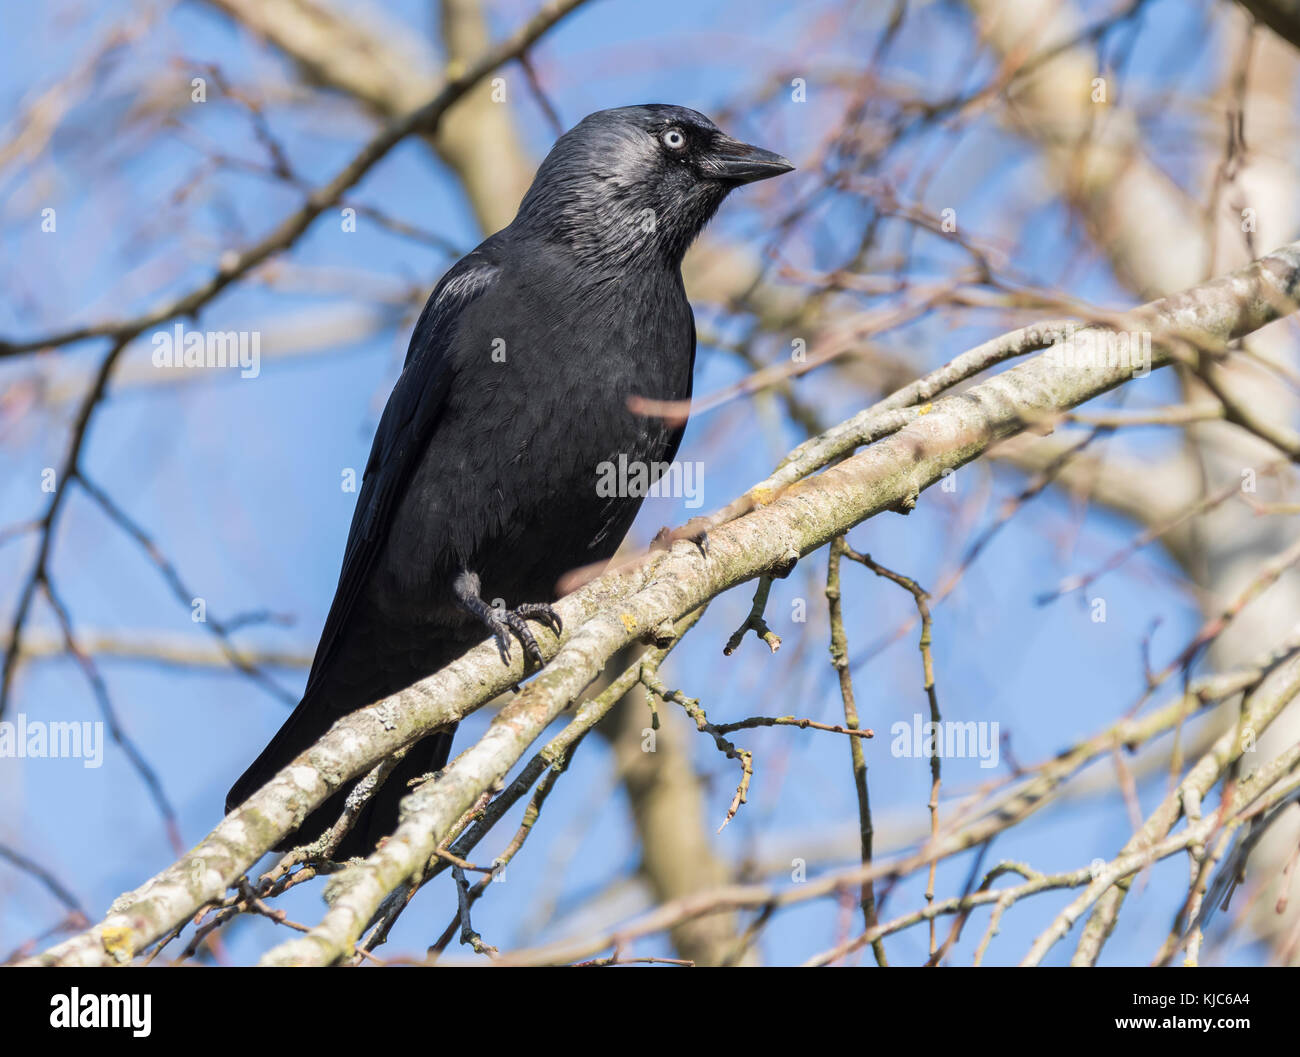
x=379, y=816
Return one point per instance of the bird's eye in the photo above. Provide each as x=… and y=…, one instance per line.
x=673, y=139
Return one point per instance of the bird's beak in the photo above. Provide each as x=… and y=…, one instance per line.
x=742, y=163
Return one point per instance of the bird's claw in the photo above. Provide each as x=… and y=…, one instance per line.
x=666, y=537
x=504, y=622
x=542, y=613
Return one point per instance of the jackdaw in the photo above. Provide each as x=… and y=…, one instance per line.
x=481, y=488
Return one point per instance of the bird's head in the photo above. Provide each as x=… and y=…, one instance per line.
x=638, y=183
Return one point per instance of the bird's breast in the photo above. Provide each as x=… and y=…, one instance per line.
x=515, y=483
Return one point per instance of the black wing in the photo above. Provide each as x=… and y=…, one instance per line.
x=408, y=420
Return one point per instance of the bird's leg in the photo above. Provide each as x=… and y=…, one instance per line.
x=501, y=622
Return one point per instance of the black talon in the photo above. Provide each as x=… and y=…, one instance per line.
x=542, y=612
x=500, y=631
x=524, y=634
x=503, y=643
x=502, y=622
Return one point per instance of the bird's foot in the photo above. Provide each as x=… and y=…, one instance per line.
x=517, y=621
x=666, y=537
x=504, y=622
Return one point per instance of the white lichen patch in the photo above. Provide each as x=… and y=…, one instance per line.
x=387, y=713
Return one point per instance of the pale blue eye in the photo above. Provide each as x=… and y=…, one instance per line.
x=674, y=139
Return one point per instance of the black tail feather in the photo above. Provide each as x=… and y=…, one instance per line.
x=379, y=816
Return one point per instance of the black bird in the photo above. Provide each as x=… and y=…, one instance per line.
x=482, y=481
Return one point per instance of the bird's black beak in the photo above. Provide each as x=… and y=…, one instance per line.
x=742, y=163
